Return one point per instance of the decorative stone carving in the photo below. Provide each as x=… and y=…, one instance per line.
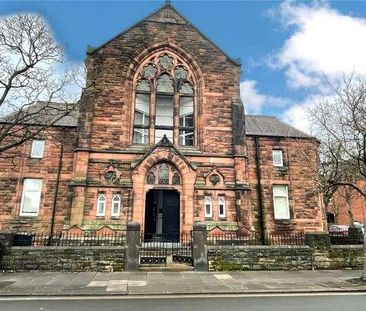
x=214, y=179
x=110, y=175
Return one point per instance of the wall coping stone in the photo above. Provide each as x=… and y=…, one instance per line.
x=346, y=246
x=259, y=247
x=48, y=248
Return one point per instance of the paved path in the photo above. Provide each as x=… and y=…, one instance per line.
x=158, y=283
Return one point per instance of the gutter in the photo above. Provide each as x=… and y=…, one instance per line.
x=260, y=192
x=59, y=168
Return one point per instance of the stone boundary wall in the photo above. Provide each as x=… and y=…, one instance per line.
x=75, y=258
x=242, y=258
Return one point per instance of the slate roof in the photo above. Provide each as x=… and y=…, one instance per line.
x=257, y=125
x=46, y=113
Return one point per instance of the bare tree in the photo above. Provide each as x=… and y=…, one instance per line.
x=339, y=122
x=35, y=87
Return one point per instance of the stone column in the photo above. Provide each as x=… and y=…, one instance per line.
x=199, y=251
x=132, y=246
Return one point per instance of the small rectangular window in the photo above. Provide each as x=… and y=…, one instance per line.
x=221, y=203
x=31, y=197
x=101, y=205
x=116, y=205
x=208, y=206
x=37, y=148
x=280, y=202
x=277, y=157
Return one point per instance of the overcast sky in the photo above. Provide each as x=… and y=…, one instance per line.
x=288, y=49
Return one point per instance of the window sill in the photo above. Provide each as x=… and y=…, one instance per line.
x=31, y=216
x=117, y=217
x=222, y=218
x=283, y=221
x=208, y=218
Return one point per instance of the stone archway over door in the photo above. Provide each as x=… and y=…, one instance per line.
x=162, y=215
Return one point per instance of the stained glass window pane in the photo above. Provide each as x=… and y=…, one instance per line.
x=165, y=61
x=181, y=73
x=149, y=71
x=164, y=174
x=165, y=84
x=143, y=85
x=150, y=179
x=186, y=88
x=176, y=179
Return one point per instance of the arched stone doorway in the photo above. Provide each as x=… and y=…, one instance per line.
x=162, y=203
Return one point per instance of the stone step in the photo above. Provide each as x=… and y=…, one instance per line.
x=169, y=267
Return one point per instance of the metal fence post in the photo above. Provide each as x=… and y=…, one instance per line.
x=132, y=246
x=199, y=252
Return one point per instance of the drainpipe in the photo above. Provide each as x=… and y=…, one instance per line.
x=54, y=205
x=259, y=191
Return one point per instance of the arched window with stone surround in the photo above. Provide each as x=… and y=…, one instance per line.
x=164, y=101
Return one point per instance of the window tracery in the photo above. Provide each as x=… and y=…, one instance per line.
x=163, y=174
x=164, y=96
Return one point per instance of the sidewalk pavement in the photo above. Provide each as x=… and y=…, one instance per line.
x=160, y=283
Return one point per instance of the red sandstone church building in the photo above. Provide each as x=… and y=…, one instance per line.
x=165, y=143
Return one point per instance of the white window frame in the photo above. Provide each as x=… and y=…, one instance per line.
x=221, y=201
x=37, y=192
x=279, y=151
x=278, y=214
x=101, y=199
x=208, y=201
x=33, y=154
x=116, y=199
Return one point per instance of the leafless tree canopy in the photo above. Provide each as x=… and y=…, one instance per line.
x=340, y=124
x=34, y=82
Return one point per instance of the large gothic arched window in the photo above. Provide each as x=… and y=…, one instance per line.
x=164, y=102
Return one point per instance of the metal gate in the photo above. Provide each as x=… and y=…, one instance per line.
x=155, y=250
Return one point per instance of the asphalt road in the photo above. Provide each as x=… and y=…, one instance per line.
x=337, y=302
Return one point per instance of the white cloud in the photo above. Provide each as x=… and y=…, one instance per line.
x=323, y=42
x=254, y=101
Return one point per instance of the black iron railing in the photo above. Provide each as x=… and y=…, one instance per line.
x=340, y=238
x=70, y=239
x=237, y=239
